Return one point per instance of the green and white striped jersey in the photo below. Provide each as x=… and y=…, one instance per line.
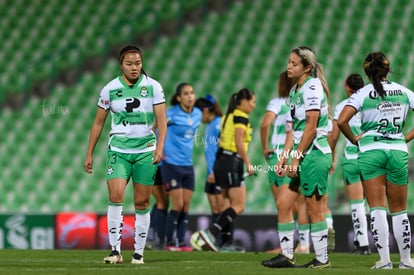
x=279, y=107
x=307, y=98
x=351, y=150
x=132, y=113
x=382, y=120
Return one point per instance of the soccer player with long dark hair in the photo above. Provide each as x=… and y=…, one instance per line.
x=383, y=157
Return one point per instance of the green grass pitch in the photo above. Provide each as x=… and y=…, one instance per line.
x=16, y=262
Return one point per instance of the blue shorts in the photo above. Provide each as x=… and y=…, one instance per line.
x=158, y=177
x=177, y=177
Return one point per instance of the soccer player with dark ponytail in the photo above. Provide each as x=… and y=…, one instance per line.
x=383, y=157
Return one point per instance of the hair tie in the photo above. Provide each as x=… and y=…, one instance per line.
x=210, y=99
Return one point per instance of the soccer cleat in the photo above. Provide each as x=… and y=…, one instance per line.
x=331, y=239
x=361, y=250
x=209, y=239
x=302, y=249
x=279, y=261
x=315, y=264
x=159, y=246
x=381, y=265
x=185, y=248
x=114, y=258
x=231, y=248
x=137, y=259
x=406, y=264
x=150, y=245
x=172, y=247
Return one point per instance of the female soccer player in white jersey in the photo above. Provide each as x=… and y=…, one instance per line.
x=350, y=169
x=135, y=100
x=383, y=157
x=311, y=158
x=278, y=115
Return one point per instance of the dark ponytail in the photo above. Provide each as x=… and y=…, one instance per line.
x=377, y=67
x=210, y=103
x=235, y=100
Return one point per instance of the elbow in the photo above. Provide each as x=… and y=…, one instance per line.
x=340, y=123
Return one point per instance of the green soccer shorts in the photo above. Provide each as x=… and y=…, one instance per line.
x=351, y=171
x=392, y=163
x=271, y=174
x=124, y=166
x=313, y=172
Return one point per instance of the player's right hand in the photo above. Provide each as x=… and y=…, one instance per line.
x=87, y=165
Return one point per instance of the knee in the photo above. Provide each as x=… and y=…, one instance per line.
x=162, y=204
x=215, y=208
x=185, y=207
x=177, y=206
x=316, y=216
x=115, y=198
x=141, y=204
x=283, y=207
x=239, y=209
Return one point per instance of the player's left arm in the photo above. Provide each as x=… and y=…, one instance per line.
x=161, y=120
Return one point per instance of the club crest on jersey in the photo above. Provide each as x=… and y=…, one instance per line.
x=144, y=92
x=173, y=183
x=110, y=170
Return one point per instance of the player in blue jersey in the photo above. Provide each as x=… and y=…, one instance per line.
x=135, y=101
x=212, y=117
x=177, y=168
x=383, y=155
x=156, y=233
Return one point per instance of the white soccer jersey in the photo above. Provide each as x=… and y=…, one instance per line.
x=310, y=97
x=279, y=107
x=382, y=120
x=132, y=113
x=351, y=150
